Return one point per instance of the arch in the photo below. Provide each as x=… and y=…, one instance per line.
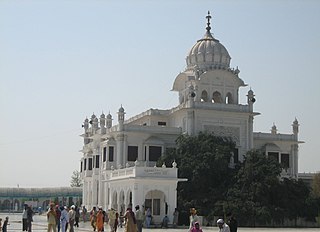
x=114, y=202
x=216, y=97
x=6, y=205
x=204, y=96
x=155, y=200
x=122, y=201
x=229, y=98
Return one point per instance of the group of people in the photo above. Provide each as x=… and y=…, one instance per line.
x=230, y=226
x=60, y=218
x=133, y=220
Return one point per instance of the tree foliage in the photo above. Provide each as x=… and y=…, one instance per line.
x=316, y=185
x=203, y=160
x=253, y=190
x=76, y=179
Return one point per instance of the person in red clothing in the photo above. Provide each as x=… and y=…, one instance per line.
x=196, y=227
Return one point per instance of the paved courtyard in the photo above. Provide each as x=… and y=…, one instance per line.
x=40, y=224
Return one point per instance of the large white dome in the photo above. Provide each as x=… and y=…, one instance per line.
x=208, y=53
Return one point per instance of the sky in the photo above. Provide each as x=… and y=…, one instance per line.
x=62, y=61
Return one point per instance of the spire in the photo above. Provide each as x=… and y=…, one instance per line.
x=208, y=17
x=208, y=35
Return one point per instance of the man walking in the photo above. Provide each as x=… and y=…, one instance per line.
x=139, y=218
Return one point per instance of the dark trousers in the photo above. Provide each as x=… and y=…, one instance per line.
x=24, y=224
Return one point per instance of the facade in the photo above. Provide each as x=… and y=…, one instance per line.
x=118, y=163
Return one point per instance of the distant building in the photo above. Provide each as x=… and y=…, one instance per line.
x=118, y=163
x=13, y=199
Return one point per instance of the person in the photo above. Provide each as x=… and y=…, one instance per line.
x=131, y=223
x=0, y=224
x=175, y=217
x=84, y=214
x=58, y=215
x=233, y=224
x=29, y=218
x=112, y=219
x=72, y=216
x=64, y=218
x=193, y=218
x=196, y=227
x=51, y=218
x=25, y=218
x=148, y=217
x=139, y=218
x=5, y=224
x=100, y=220
x=223, y=227
x=93, y=217
x=116, y=222
x=165, y=222
x=77, y=216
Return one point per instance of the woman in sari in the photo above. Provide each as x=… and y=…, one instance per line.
x=131, y=223
x=100, y=220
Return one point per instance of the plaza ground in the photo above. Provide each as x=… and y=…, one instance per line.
x=40, y=224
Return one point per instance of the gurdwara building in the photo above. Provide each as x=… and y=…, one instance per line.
x=118, y=163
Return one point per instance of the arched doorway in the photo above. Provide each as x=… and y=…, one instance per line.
x=155, y=200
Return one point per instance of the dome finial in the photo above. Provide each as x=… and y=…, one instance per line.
x=208, y=17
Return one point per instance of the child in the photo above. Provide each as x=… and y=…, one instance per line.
x=5, y=224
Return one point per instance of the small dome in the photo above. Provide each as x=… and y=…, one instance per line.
x=121, y=110
x=102, y=115
x=109, y=116
x=208, y=52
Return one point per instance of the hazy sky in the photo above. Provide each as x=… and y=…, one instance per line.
x=60, y=61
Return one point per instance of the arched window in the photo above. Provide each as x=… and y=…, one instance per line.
x=204, y=96
x=216, y=97
x=229, y=99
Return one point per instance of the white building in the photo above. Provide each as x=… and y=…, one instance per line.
x=118, y=160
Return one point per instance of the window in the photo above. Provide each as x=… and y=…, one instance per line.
x=156, y=207
x=229, y=99
x=85, y=164
x=81, y=166
x=90, y=164
x=132, y=153
x=111, y=151
x=204, y=96
x=104, y=154
x=97, y=161
x=148, y=204
x=285, y=160
x=274, y=155
x=236, y=155
x=162, y=123
x=154, y=153
x=216, y=97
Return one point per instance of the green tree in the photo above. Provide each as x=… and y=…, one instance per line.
x=251, y=198
x=76, y=179
x=203, y=160
x=316, y=185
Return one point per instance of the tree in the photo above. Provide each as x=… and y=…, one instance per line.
x=203, y=160
x=251, y=198
x=316, y=185
x=76, y=179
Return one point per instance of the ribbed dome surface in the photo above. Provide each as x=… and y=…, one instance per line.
x=208, y=53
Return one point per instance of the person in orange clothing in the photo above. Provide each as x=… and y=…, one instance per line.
x=100, y=220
